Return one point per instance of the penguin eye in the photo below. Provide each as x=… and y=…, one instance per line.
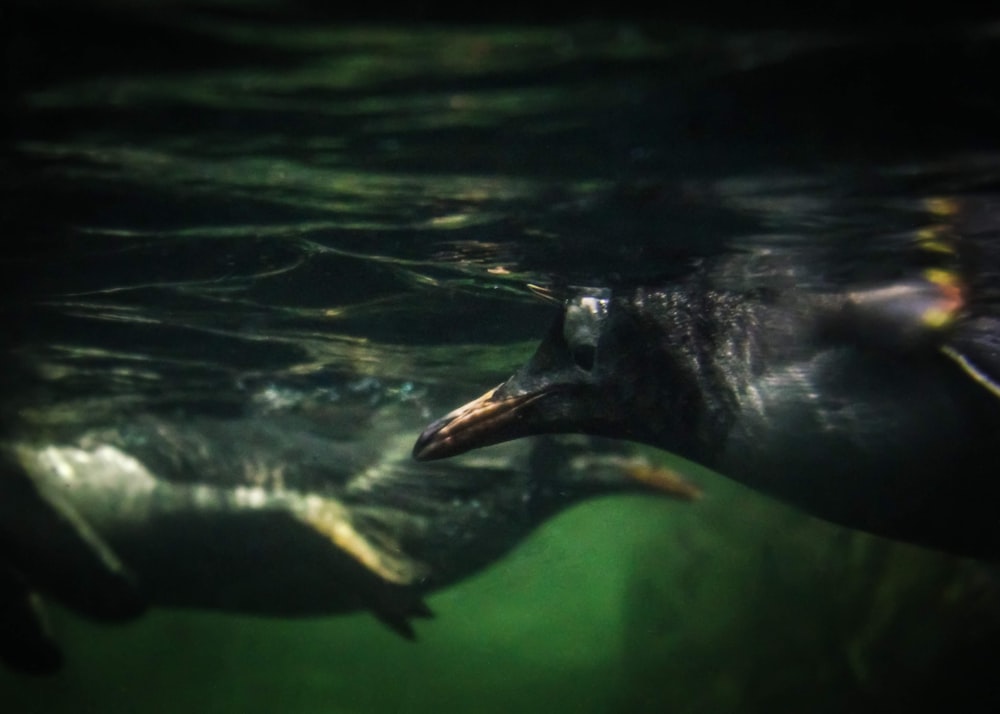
x=582, y=323
x=583, y=356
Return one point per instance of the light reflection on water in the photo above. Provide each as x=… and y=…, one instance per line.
x=314, y=206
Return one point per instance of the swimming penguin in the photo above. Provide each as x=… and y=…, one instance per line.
x=874, y=405
x=269, y=515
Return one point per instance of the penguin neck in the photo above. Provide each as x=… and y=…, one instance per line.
x=700, y=349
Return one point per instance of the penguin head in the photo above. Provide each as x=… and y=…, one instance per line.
x=591, y=374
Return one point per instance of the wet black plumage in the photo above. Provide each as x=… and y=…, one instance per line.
x=270, y=515
x=871, y=405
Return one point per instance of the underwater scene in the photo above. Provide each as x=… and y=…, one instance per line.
x=601, y=362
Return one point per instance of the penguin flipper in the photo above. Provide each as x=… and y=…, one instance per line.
x=975, y=347
x=374, y=548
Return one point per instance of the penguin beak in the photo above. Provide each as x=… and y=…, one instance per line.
x=493, y=419
x=482, y=422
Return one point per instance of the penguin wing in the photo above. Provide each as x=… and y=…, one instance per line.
x=975, y=347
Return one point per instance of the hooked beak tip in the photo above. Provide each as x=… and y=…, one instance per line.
x=429, y=446
x=481, y=422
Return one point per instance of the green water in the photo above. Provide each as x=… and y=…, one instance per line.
x=202, y=200
x=730, y=604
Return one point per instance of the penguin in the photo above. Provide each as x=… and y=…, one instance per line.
x=267, y=514
x=871, y=404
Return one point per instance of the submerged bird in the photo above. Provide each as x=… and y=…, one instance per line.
x=269, y=515
x=874, y=405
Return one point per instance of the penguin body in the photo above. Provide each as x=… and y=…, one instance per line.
x=874, y=406
x=269, y=515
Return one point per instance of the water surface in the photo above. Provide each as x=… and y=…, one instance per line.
x=208, y=209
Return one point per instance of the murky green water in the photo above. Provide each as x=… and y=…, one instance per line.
x=210, y=209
